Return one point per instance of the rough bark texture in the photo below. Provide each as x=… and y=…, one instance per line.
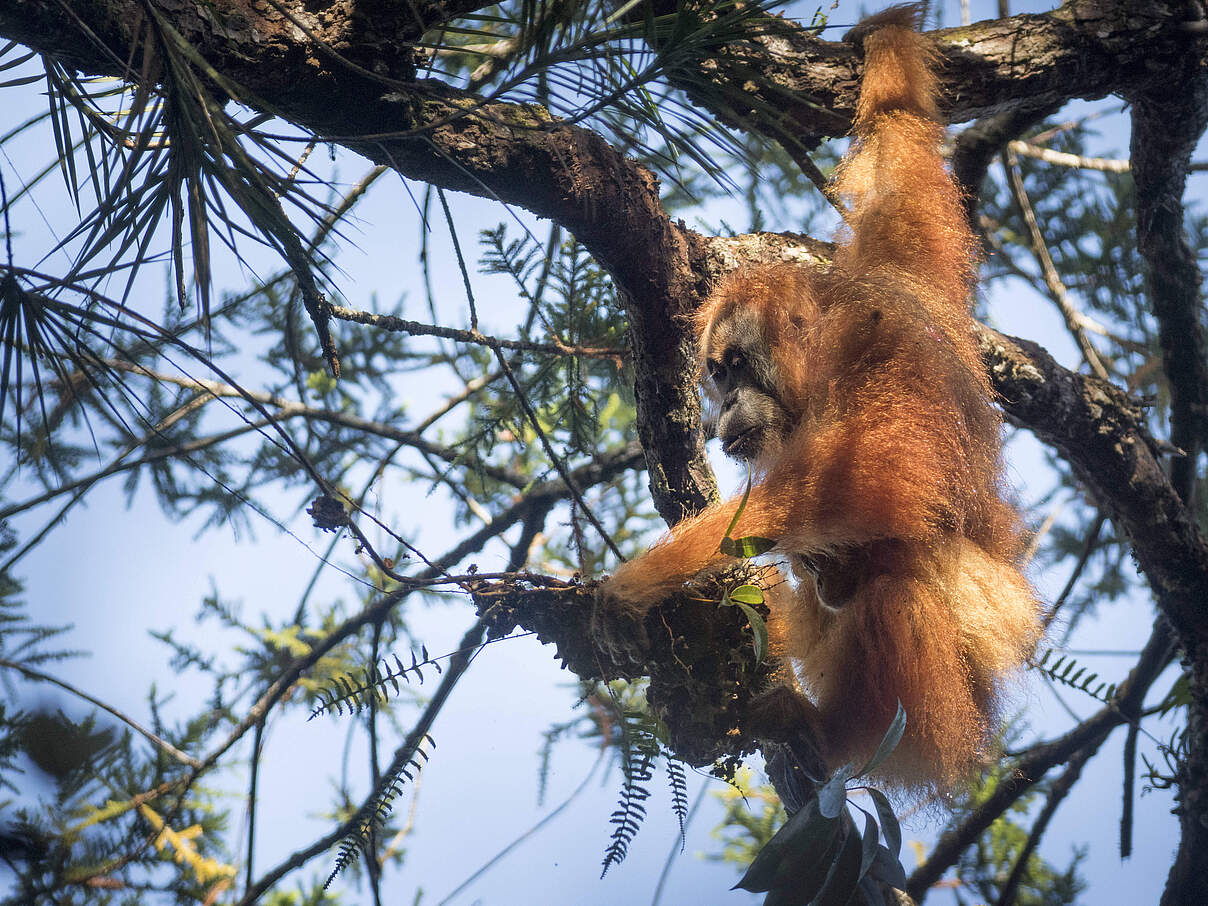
x=1166, y=127
x=343, y=72
x=1187, y=882
x=698, y=654
x=428, y=131
x=978, y=145
x=1099, y=430
x=1084, y=49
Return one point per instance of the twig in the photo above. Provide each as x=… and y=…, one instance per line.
x=158, y=742
x=1060, y=789
x=1077, y=161
x=1088, y=548
x=1052, y=279
x=473, y=337
x=544, y=820
x=1045, y=527
x=557, y=460
x=1065, y=159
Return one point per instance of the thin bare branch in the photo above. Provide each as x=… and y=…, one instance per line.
x=1052, y=280
x=472, y=336
x=162, y=744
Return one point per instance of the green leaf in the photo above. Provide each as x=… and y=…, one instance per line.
x=868, y=849
x=888, y=868
x=745, y=548
x=743, y=597
x=889, y=822
x=759, y=629
x=742, y=505
x=845, y=875
x=833, y=794
x=746, y=594
x=889, y=742
x=804, y=845
x=1178, y=696
x=751, y=545
x=871, y=891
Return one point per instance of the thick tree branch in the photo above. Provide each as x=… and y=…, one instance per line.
x=792, y=83
x=1166, y=127
x=698, y=655
x=978, y=145
x=345, y=71
x=345, y=77
x=426, y=130
x=1099, y=430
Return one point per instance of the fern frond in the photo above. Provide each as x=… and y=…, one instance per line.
x=677, y=779
x=631, y=809
x=355, y=694
x=372, y=816
x=1066, y=671
x=639, y=747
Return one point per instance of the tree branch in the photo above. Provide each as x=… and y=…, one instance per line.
x=472, y=337
x=976, y=147
x=793, y=83
x=1100, y=431
x=692, y=649
x=162, y=744
x=1166, y=127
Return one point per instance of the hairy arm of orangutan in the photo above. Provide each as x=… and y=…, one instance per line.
x=880, y=473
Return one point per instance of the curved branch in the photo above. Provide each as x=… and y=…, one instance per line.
x=1166, y=127
x=160, y=743
x=1100, y=431
x=519, y=154
x=793, y=83
x=697, y=653
x=976, y=147
x=425, y=130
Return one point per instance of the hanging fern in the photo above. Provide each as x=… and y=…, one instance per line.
x=1065, y=670
x=636, y=738
x=373, y=814
x=631, y=809
x=678, y=781
x=355, y=694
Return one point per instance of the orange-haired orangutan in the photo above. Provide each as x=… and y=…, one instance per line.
x=859, y=399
